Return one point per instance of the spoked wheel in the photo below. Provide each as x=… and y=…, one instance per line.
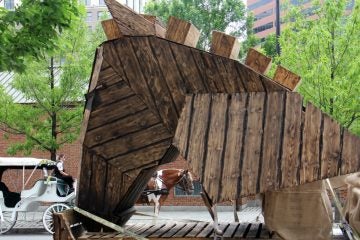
x=48, y=215
x=8, y=222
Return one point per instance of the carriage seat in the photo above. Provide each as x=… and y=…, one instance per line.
x=10, y=198
x=62, y=188
x=37, y=190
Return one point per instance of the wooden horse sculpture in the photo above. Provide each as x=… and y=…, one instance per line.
x=159, y=186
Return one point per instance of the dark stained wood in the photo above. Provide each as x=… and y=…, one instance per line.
x=290, y=162
x=258, y=61
x=241, y=230
x=216, y=145
x=174, y=230
x=112, y=59
x=197, y=229
x=233, y=77
x=286, y=78
x=252, y=148
x=163, y=230
x=224, y=45
x=84, y=180
x=160, y=28
x=198, y=133
x=187, y=228
x=250, y=79
x=152, y=230
x=230, y=84
x=350, y=153
x=231, y=170
x=331, y=147
x=310, y=164
x=111, y=29
x=129, y=22
x=253, y=231
x=230, y=230
x=182, y=32
x=163, y=99
x=206, y=232
x=97, y=183
x=272, y=141
x=212, y=73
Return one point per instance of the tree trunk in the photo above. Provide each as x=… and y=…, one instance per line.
x=53, y=112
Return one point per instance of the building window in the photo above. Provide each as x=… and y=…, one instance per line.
x=180, y=193
x=9, y=4
x=258, y=4
x=263, y=27
x=88, y=16
x=299, y=2
x=264, y=14
x=87, y=2
x=101, y=3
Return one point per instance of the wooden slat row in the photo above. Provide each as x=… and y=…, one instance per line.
x=248, y=143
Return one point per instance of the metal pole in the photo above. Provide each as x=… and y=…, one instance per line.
x=277, y=23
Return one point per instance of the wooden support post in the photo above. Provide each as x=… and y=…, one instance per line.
x=111, y=29
x=182, y=32
x=286, y=78
x=160, y=27
x=129, y=22
x=258, y=61
x=224, y=45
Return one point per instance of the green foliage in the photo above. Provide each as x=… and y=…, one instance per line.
x=32, y=29
x=326, y=53
x=54, y=87
x=269, y=46
x=206, y=15
x=251, y=40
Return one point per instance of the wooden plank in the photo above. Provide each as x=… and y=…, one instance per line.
x=192, y=78
x=96, y=69
x=182, y=233
x=163, y=99
x=331, y=148
x=143, y=228
x=163, y=230
x=197, y=229
x=241, y=230
x=115, y=111
x=133, y=141
x=211, y=73
x=112, y=59
x=350, y=159
x=198, y=138
x=182, y=32
x=160, y=28
x=111, y=29
x=222, y=227
x=250, y=79
x=108, y=76
x=272, y=142
x=230, y=230
x=97, y=183
x=152, y=230
x=226, y=77
x=174, y=230
x=290, y=162
x=310, y=165
x=252, y=148
x=129, y=22
x=231, y=171
x=183, y=130
x=257, y=61
x=117, y=129
x=134, y=227
x=254, y=231
x=265, y=233
x=286, y=78
x=168, y=66
x=233, y=77
x=206, y=232
x=224, y=45
x=84, y=180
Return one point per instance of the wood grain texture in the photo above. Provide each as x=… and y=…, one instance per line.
x=286, y=78
x=224, y=45
x=111, y=29
x=350, y=153
x=257, y=61
x=182, y=32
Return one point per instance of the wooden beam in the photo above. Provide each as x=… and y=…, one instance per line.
x=129, y=22
x=111, y=29
x=286, y=78
x=160, y=27
x=258, y=61
x=224, y=45
x=182, y=32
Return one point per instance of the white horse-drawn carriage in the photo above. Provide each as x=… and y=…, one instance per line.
x=47, y=191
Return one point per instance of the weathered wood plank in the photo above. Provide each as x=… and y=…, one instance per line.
x=163, y=99
x=133, y=141
x=129, y=22
x=198, y=131
x=222, y=227
x=108, y=76
x=182, y=32
x=206, y=232
x=216, y=144
x=152, y=230
x=241, y=230
x=231, y=230
x=112, y=59
x=233, y=77
x=250, y=79
x=174, y=230
x=197, y=229
x=252, y=142
x=272, y=141
x=331, y=148
x=231, y=171
x=168, y=66
x=111, y=29
x=183, y=128
x=84, y=180
x=310, y=165
x=163, y=230
x=182, y=233
x=97, y=183
x=224, y=45
x=258, y=61
x=253, y=231
x=212, y=73
x=227, y=79
x=290, y=162
x=286, y=78
x=350, y=153
x=160, y=27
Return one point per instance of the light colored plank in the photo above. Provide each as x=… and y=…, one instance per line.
x=286, y=78
x=182, y=32
x=258, y=61
x=224, y=45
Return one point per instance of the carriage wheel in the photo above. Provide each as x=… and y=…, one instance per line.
x=8, y=223
x=48, y=215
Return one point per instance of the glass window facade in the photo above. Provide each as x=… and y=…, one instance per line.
x=258, y=4
x=88, y=16
x=263, y=27
x=9, y=4
x=264, y=14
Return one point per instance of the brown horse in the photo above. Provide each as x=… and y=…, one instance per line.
x=159, y=186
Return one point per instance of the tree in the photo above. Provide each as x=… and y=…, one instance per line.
x=269, y=46
x=32, y=29
x=206, y=15
x=326, y=53
x=53, y=87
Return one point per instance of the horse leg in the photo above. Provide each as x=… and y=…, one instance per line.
x=157, y=206
x=217, y=231
x=236, y=218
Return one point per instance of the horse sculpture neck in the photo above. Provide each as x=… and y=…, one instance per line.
x=169, y=177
